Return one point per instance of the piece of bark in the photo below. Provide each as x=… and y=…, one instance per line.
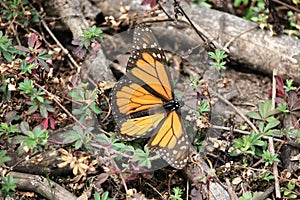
x=41, y=185
x=250, y=46
x=44, y=163
x=70, y=13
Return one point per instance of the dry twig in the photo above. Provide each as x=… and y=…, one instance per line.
x=271, y=142
x=236, y=110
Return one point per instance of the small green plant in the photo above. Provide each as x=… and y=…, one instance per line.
x=289, y=85
x=37, y=98
x=264, y=111
x=125, y=152
x=7, y=50
x=265, y=115
x=87, y=99
x=177, y=194
x=94, y=35
x=293, y=134
x=291, y=111
x=7, y=131
x=204, y=107
x=79, y=136
x=268, y=158
x=288, y=191
x=8, y=186
x=6, y=93
x=26, y=67
x=20, y=10
x=34, y=139
x=142, y=157
x=282, y=107
x=261, y=18
x=257, y=13
x=122, y=153
x=4, y=158
x=44, y=107
x=90, y=41
x=218, y=57
x=35, y=54
x=194, y=81
x=248, y=144
x=293, y=24
x=239, y=2
x=104, y=196
x=27, y=88
x=267, y=129
x=267, y=176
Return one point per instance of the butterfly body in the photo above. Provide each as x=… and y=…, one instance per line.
x=143, y=102
x=173, y=105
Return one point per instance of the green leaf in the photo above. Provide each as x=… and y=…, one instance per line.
x=254, y=115
x=271, y=125
x=43, y=111
x=78, y=144
x=95, y=108
x=97, y=196
x=33, y=108
x=40, y=99
x=290, y=186
x=4, y=158
x=71, y=136
x=26, y=86
x=264, y=108
x=104, y=196
x=8, y=185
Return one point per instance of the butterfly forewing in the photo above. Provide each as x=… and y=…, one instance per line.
x=133, y=108
x=152, y=74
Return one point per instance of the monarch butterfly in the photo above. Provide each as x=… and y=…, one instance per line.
x=143, y=102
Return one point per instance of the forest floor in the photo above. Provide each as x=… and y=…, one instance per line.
x=58, y=136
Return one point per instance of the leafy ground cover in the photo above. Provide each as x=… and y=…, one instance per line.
x=58, y=125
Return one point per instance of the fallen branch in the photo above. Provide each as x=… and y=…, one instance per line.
x=43, y=186
x=246, y=43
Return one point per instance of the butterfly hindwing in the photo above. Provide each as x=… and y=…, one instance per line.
x=171, y=141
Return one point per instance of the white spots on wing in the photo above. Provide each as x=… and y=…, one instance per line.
x=183, y=148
